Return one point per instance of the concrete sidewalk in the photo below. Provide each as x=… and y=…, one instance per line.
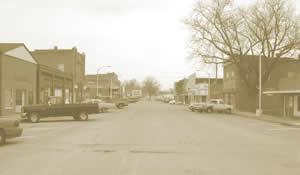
x=294, y=122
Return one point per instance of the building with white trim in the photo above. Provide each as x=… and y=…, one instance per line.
x=18, y=78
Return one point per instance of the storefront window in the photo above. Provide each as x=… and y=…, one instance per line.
x=9, y=98
x=67, y=96
x=58, y=93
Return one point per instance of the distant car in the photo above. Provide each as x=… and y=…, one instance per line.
x=120, y=103
x=200, y=107
x=218, y=105
x=103, y=106
x=133, y=99
x=172, y=102
x=9, y=128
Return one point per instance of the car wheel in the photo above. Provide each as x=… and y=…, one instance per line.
x=83, y=116
x=193, y=110
x=209, y=110
x=34, y=117
x=120, y=106
x=2, y=137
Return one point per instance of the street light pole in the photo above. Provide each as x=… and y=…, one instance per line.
x=259, y=103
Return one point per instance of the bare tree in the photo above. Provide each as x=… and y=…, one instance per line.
x=130, y=85
x=150, y=86
x=224, y=33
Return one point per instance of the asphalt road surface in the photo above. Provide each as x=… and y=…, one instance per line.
x=153, y=138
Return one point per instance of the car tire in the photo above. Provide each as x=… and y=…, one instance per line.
x=34, y=117
x=120, y=106
x=209, y=110
x=2, y=137
x=193, y=110
x=83, y=116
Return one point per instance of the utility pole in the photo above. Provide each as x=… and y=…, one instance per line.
x=259, y=95
x=217, y=71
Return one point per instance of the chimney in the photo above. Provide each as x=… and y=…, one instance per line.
x=74, y=49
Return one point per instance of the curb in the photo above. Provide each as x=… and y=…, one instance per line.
x=269, y=120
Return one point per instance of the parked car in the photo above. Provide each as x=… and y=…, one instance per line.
x=78, y=111
x=133, y=99
x=218, y=105
x=172, y=102
x=103, y=106
x=120, y=103
x=9, y=128
x=200, y=107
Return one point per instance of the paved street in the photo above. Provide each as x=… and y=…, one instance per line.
x=153, y=138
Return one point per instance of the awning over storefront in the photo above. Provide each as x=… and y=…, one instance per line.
x=287, y=100
x=286, y=92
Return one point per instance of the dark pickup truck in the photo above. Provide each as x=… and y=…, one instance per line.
x=78, y=111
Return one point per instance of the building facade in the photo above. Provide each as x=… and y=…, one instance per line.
x=103, y=85
x=198, y=89
x=18, y=72
x=69, y=61
x=53, y=82
x=281, y=90
x=179, y=88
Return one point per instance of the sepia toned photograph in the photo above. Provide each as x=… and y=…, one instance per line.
x=150, y=87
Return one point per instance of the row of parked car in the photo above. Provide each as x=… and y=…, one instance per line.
x=213, y=105
x=10, y=128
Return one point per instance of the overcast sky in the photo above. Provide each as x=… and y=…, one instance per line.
x=136, y=37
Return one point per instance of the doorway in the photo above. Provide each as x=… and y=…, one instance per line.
x=20, y=99
x=297, y=106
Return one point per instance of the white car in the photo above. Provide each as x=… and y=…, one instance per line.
x=172, y=102
x=103, y=106
x=218, y=105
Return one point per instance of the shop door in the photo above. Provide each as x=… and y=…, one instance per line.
x=20, y=99
x=297, y=106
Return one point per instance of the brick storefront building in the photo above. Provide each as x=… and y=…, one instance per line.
x=53, y=82
x=281, y=91
x=69, y=61
x=18, y=78
x=108, y=85
x=199, y=89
